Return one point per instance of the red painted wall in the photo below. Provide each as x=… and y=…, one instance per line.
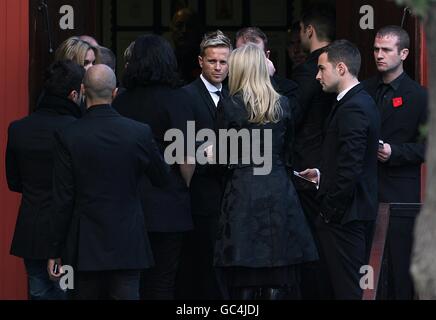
x=423, y=79
x=14, y=66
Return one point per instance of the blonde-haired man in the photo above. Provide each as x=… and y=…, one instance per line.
x=197, y=278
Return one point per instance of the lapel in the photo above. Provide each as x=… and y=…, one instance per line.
x=338, y=104
x=403, y=91
x=207, y=99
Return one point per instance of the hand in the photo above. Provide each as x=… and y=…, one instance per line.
x=50, y=269
x=270, y=66
x=311, y=174
x=384, y=153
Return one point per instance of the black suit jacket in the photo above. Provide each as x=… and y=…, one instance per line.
x=348, y=189
x=207, y=183
x=400, y=177
x=310, y=114
x=162, y=108
x=29, y=171
x=98, y=222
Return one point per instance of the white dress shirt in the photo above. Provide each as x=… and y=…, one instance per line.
x=343, y=93
x=211, y=88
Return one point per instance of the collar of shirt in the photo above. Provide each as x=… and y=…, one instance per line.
x=209, y=86
x=343, y=93
x=212, y=90
x=394, y=84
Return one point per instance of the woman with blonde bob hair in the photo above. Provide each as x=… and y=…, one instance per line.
x=263, y=235
x=78, y=51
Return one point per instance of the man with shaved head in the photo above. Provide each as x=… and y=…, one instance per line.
x=89, y=39
x=98, y=225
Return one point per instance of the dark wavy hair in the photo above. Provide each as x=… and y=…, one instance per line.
x=62, y=77
x=152, y=62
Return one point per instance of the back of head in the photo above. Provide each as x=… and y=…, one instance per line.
x=99, y=83
x=398, y=32
x=346, y=52
x=323, y=19
x=253, y=35
x=152, y=61
x=107, y=57
x=248, y=75
x=63, y=77
x=89, y=39
x=75, y=49
x=216, y=39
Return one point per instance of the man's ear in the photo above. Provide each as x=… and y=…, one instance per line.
x=200, y=61
x=73, y=96
x=82, y=89
x=404, y=54
x=310, y=31
x=114, y=93
x=341, y=68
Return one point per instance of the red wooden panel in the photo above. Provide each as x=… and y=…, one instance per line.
x=423, y=78
x=14, y=63
x=423, y=57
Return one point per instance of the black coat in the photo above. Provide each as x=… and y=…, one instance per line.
x=310, y=114
x=29, y=171
x=207, y=183
x=261, y=223
x=162, y=108
x=348, y=189
x=400, y=177
x=98, y=222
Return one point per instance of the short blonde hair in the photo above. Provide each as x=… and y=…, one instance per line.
x=248, y=75
x=213, y=40
x=75, y=49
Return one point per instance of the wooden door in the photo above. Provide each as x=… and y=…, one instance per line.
x=85, y=17
x=385, y=13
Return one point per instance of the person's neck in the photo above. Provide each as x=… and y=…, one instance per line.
x=316, y=44
x=390, y=76
x=96, y=102
x=347, y=83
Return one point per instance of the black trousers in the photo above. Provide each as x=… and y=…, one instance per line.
x=399, y=251
x=106, y=285
x=344, y=248
x=197, y=278
x=158, y=283
x=315, y=280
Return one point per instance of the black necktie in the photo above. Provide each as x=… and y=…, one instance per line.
x=219, y=94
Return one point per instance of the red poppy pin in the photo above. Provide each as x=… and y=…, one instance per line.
x=397, y=102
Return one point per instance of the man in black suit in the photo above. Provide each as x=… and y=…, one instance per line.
x=317, y=30
x=402, y=104
x=197, y=277
x=348, y=178
x=98, y=225
x=29, y=167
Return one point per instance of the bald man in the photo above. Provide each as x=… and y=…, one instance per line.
x=98, y=225
x=89, y=39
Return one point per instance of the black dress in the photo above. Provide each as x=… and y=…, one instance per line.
x=263, y=233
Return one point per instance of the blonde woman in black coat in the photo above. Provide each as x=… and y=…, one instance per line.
x=263, y=235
